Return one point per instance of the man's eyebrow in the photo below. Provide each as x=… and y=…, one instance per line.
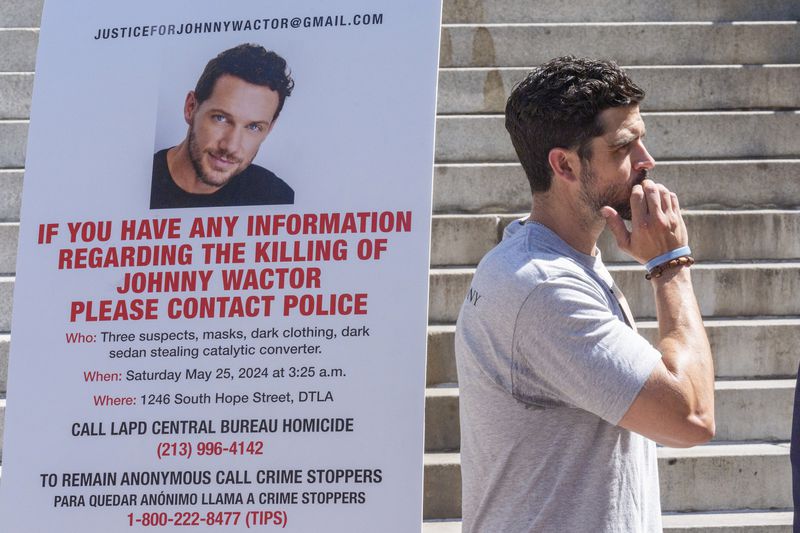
x=218, y=111
x=626, y=138
x=622, y=140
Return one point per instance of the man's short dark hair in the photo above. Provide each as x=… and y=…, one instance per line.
x=558, y=106
x=251, y=63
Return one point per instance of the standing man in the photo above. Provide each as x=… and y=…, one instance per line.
x=229, y=113
x=560, y=398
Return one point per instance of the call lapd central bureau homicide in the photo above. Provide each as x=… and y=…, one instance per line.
x=209, y=427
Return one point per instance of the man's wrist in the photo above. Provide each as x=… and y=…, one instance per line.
x=679, y=273
x=680, y=262
x=667, y=257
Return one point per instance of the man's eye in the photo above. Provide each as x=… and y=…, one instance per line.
x=256, y=127
x=218, y=118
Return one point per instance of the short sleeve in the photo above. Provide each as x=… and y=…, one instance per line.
x=569, y=349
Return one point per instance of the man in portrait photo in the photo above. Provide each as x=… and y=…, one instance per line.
x=230, y=113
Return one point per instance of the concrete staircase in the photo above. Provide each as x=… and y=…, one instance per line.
x=723, y=119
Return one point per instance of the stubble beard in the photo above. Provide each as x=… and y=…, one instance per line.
x=196, y=155
x=618, y=196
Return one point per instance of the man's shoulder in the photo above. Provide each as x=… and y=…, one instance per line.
x=160, y=162
x=262, y=182
x=519, y=261
x=162, y=188
x=259, y=174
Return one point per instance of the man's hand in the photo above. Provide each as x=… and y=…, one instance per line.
x=656, y=223
x=676, y=405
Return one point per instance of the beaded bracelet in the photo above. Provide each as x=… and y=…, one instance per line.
x=656, y=272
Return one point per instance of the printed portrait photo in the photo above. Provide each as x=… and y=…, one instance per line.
x=229, y=115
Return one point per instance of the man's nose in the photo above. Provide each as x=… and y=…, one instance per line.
x=231, y=142
x=643, y=158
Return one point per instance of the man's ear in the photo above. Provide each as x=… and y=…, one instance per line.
x=564, y=163
x=189, y=107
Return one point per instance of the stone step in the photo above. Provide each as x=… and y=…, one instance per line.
x=712, y=477
x=743, y=521
x=18, y=49
x=20, y=13
x=5, y=343
x=482, y=90
x=496, y=11
x=654, y=43
x=725, y=290
x=742, y=348
x=721, y=236
x=15, y=95
x=27, y=13
x=2, y=422
x=6, y=298
x=521, y=44
x=713, y=235
x=722, y=290
x=744, y=410
x=726, y=184
x=726, y=476
x=9, y=234
x=10, y=194
x=669, y=88
x=700, y=135
x=13, y=142
x=442, y=423
x=729, y=522
x=754, y=410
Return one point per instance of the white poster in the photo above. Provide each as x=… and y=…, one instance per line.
x=220, y=303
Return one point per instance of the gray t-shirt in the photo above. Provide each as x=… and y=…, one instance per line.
x=546, y=368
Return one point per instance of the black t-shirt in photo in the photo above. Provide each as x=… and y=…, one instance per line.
x=255, y=185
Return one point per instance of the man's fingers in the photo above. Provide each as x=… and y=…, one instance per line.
x=653, y=196
x=638, y=205
x=666, y=199
x=617, y=227
x=682, y=224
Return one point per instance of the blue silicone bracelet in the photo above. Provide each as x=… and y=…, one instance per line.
x=669, y=256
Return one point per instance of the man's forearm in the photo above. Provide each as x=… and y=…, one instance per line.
x=684, y=345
